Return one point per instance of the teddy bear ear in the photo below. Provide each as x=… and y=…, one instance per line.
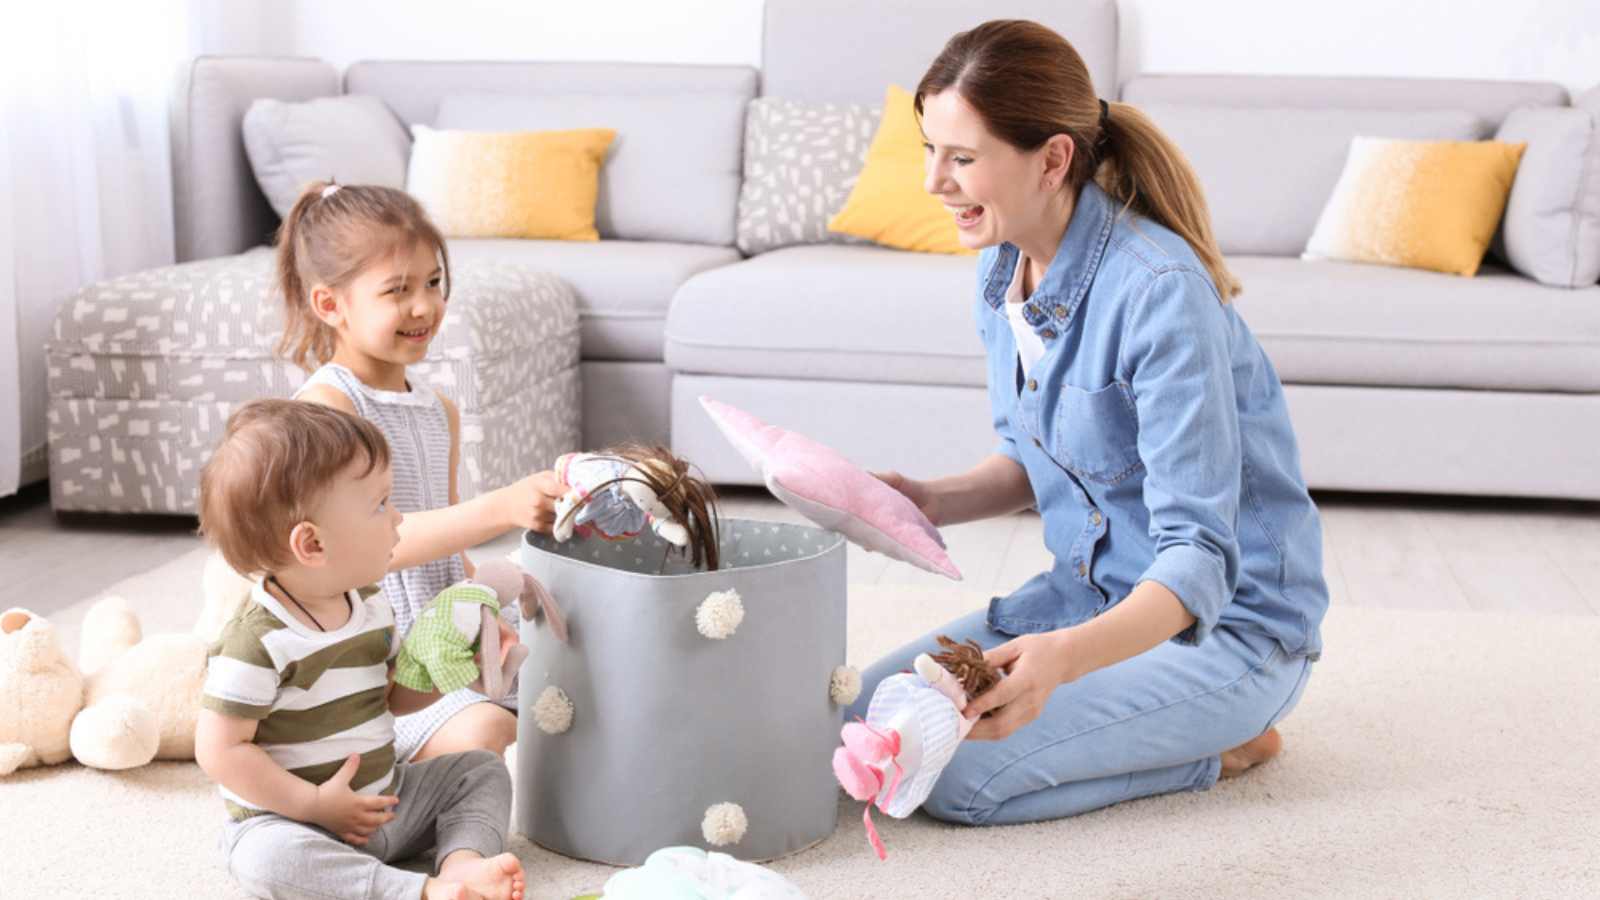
x=13, y=620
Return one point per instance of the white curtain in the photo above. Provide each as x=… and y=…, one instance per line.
x=85, y=178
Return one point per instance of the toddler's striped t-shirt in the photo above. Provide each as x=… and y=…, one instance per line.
x=317, y=696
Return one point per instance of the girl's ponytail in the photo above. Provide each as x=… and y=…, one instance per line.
x=304, y=335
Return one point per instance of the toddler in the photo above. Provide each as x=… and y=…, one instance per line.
x=297, y=719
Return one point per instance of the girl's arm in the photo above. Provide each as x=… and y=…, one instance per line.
x=997, y=486
x=437, y=533
x=454, y=416
x=404, y=701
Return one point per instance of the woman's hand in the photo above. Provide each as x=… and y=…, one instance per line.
x=918, y=492
x=1035, y=665
x=531, y=502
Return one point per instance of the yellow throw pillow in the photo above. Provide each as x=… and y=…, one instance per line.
x=531, y=184
x=888, y=205
x=1423, y=204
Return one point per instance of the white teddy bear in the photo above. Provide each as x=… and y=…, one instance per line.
x=128, y=701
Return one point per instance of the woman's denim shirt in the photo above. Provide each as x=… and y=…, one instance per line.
x=1155, y=435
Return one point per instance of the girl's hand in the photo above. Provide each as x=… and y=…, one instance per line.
x=916, y=491
x=531, y=502
x=350, y=816
x=1035, y=665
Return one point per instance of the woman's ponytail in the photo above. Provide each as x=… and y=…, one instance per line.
x=1141, y=167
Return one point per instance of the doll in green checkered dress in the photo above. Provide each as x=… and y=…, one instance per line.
x=460, y=627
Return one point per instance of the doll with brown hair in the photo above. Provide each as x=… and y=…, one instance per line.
x=618, y=491
x=916, y=719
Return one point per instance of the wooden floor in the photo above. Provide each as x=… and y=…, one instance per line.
x=1398, y=552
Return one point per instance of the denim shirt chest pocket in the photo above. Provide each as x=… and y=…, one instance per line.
x=1096, y=432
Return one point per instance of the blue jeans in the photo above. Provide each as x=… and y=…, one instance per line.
x=1153, y=724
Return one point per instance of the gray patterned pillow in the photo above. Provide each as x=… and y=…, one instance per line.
x=800, y=162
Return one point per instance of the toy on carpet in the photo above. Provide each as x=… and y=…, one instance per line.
x=621, y=490
x=463, y=621
x=129, y=699
x=913, y=725
x=689, y=873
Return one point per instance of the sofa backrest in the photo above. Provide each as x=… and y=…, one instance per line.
x=216, y=206
x=672, y=173
x=1269, y=150
x=847, y=51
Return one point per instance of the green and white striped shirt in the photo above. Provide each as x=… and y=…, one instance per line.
x=318, y=697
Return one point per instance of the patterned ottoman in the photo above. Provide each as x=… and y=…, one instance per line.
x=145, y=369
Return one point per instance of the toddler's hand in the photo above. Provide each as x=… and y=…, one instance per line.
x=350, y=816
x=531, y=502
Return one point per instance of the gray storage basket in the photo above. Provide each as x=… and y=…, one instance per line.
x=668, y=722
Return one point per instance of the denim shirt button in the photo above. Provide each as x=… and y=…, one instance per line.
x=1048, y=334
x=1083, y=569
x=1033, y=385
x=1061, y=312
x=1095, y=517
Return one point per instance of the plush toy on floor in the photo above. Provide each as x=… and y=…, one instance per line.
x=689, y=873
x=127, y=701
x=464, y=620
x=913, y=725
x=618, y=492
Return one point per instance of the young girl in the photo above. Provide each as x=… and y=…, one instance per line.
x=365, y=278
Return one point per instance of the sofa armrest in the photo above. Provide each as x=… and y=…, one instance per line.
x=216, y=206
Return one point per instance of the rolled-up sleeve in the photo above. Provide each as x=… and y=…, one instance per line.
x=1176, y=354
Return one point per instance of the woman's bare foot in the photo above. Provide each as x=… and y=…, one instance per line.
x=495, y=878
x=1251, y=753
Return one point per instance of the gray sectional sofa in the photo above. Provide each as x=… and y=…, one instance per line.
x=1398, y=380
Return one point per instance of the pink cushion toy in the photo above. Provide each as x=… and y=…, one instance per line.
x=834, y=492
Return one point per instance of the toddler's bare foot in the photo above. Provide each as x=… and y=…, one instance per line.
x=435, y=889
x=495, y=878
x=1251, y=753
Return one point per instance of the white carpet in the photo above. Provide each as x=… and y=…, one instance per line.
x=1444, y=755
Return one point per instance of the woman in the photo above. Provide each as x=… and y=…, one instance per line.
x=1138, y=413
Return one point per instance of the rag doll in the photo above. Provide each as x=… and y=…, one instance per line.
x=913, y=725
x=617, y=492
x=464, y=620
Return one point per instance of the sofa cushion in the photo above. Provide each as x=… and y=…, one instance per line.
x=1419, y=204
x=623, y=287
x=800, y=162
x=351, y=140
x=1268, y=173
x=1551, y=230
x=673, y=172
x=831, y=312
x=525, y=184
x=1347, y=323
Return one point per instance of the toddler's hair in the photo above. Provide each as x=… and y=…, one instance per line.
x=275, y=460
x=331, y=235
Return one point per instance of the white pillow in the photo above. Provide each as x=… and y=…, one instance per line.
x=352, y=139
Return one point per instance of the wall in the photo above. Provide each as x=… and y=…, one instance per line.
x=1555, y=40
